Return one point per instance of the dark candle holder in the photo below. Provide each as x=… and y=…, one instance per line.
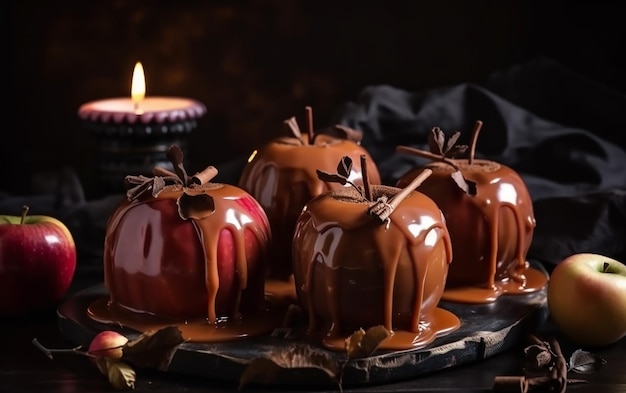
x=134, y=143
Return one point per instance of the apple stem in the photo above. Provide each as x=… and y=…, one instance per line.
x=25, y=210
x=605, y=267
x=309, y=120
x=477, y=126
x=366, y=182
x=48, y=352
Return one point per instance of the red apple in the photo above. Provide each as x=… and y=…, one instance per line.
x=183, y=247
x=355, y=268
x=587, y=298
x=108, y=344
x=281, y=175
x=37, y=262
x=489, y=214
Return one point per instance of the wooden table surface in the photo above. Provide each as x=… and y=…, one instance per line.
x=24, y=368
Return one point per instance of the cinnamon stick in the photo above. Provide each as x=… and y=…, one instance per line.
x=382, y=209
x=366, y=182
x=426, y=154
x=510, y=384
x=204, y=176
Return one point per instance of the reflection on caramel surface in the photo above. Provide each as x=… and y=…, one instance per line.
x=490, y=232
x=443, y=322
x=534, y=280
x=210, y=268
x=352, y=272
x=282, y=177
x=193, y=329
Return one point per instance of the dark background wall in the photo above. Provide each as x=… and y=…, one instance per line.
x=255, y=63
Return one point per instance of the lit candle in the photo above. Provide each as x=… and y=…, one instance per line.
x=141, y=109
x=138, y=86
x=134, y=133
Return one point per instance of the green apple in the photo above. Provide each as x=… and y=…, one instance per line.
x=587, y=299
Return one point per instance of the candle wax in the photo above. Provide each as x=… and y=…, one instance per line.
x=150, y=109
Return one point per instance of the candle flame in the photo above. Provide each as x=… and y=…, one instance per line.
x=138, y=86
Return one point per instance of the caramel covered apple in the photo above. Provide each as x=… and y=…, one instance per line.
x=489, y=214
x=181, y=249
x=372, y=255
x=281, y=175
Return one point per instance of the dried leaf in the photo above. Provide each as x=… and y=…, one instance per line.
x=145, y=184
x=331, y=177
x=345, y=167
x=342, y=177
x=583, y=362
x=136, y=191
x=153, y=349
x=538, y=357
x=436, y=141
x=363, y=343
x=265, y=370
x=301, y=356
x=292, y=126
x=157, y=186
x=121, y=375
x=450, y=143
x=195, y=206
x=456, y=151
x=468, y=186
x=130, y=180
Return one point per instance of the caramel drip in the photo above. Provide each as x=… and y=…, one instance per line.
x=491, y=200
x=492, y=211
x=332, y=294
x=210, y=245
x=228, y=215
x=420, y=277
x=390, y=255
x=504, y=207
x=307, y=290
x=283, y=178
x=390, y=266
x=421, y=256
x=342, y=229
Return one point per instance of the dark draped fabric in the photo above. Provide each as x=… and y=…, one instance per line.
x=561, y=131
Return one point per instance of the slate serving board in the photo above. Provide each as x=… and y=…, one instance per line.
x=485, y=330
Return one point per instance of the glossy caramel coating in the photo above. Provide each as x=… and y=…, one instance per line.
x=353, y=272
x=282, y=177
x=490, y=231
x=157, y=263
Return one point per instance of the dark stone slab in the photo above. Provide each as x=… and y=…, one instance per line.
x=485, y=330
